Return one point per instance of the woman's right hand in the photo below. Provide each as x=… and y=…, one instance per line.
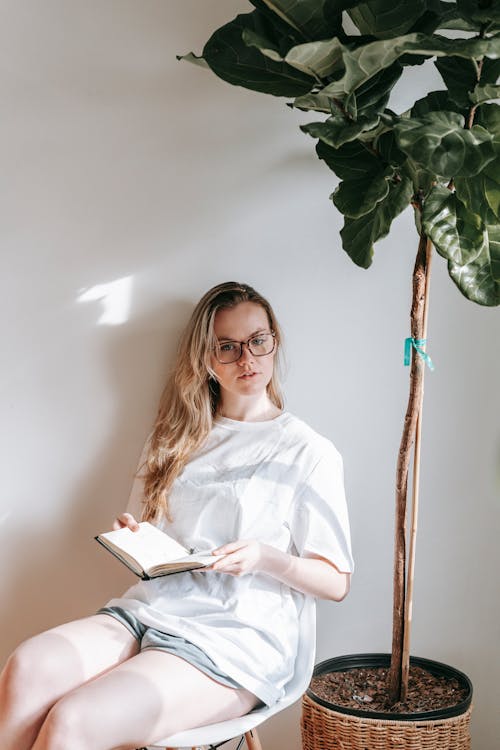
x=125, y=520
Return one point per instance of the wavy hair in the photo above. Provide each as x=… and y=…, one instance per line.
x=191, y=396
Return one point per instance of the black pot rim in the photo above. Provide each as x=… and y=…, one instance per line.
x=353, y=661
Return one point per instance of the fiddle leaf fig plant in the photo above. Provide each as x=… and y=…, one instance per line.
x=339, y=60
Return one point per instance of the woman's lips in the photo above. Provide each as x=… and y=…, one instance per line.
x=247, y=375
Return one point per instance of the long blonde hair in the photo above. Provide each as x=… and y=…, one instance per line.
x=191, y=396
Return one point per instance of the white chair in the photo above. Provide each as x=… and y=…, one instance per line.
x=214, y=734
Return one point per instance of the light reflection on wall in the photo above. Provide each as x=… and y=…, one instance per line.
x=115, y=298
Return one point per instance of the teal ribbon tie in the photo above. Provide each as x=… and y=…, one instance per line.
x=418, y=345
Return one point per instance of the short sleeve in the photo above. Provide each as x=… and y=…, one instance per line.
x=319, y=523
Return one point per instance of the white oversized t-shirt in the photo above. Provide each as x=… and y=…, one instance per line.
x=278, y=482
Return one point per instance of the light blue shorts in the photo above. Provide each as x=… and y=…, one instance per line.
x=174, y=644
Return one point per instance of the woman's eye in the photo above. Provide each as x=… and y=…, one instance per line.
x=228, y=347
x=258, y=341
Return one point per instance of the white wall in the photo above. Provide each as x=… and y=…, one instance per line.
x=130, y=183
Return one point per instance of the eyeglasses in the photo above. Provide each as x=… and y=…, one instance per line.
x=259, y=345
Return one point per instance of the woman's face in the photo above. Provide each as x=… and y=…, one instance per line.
x=249, y=375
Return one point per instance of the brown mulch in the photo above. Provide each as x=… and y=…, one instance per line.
x=364, y=689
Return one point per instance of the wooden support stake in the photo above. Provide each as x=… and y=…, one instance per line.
x=414, y=503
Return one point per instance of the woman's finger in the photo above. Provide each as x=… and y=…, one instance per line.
x=126, y=519
x=230, y=547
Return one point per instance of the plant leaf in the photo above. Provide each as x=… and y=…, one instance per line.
x=359, y=235
x=321, y=58
x=373, y=95
x=439, y=143
x=282, y=30
x=388, y=150
x=456, y=233
x=437, y=101
x=351, y=161
x=484, y=93
x=233, y=61
x=386, y=19
x=481, y=194
x=264, y=45
x=195, y=59
x=479, y=12
x=355, y=198
x=316, y=59
x=488, y=115
x=479, y=280
x=315, y=102
x=313, y=18
x=337, y=130
x=365, y=61
x=459, y=76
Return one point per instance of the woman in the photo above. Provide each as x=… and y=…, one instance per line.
x=226, y=469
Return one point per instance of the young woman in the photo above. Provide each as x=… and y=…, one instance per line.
x=226, y=469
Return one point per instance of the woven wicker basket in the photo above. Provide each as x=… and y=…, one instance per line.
x=324, y=727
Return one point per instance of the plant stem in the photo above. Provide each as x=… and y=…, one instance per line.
x=407, y=439
x=405, y=660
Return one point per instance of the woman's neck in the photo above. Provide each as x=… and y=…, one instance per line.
x=248, y=411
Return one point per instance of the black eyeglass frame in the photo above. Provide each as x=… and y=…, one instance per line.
x=247, y=344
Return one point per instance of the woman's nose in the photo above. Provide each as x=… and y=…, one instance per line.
x=246, y=355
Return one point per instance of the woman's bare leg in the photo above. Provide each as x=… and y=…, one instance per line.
x=46, y=667
x=150, y=696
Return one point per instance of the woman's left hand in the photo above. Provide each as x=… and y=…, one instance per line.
x=242, y=556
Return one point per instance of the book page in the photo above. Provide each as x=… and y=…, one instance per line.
x=190, y=562
x=149, y=546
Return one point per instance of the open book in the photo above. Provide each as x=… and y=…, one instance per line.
x=150, y=553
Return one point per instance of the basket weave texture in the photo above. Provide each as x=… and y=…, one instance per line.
x=325, y=729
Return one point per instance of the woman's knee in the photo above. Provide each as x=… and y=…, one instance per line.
x=63, y=727
x=29, y=669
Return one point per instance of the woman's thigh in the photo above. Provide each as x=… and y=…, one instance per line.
x=148, y=697
x=69, y=655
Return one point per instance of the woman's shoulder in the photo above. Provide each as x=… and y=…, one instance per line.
x=316, y=445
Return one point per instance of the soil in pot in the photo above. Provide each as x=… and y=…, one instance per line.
x=365, y=688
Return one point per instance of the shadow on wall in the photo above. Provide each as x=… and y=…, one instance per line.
x=61, y=573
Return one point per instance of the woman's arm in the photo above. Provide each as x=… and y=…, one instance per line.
x=312, y=575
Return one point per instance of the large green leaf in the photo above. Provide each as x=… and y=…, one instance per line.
x=485, y=93
x=387, y=147
x=355, y=198
x=313, y=102
x=459, y=75
x=315, y=19
x=437, y=101
x=315, y=59
x=349, y=162
x=385, y=19
x=359, y=235
x=232, y=60
x=336, y=130
x=481, y=194
x=488, y=115
x=369, y=59
x=461, y=78
x=479, y=280
x=439, y=143
x=456, y=233
x=289, y=35
x=373, y=95
x=480, y=12
x=490, y=71
x=434, y=16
